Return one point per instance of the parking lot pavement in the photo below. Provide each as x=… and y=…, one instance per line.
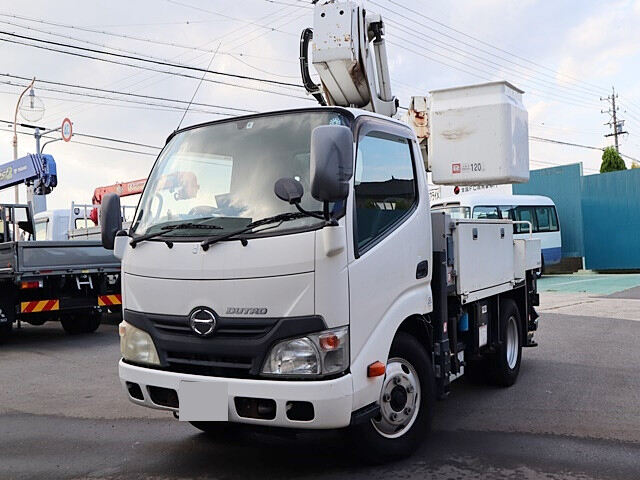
x=591, y=294
x=573, y=414
x=589, y=282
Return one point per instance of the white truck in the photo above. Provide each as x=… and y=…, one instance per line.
x=302, y=281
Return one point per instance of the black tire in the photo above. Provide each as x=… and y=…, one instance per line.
x=539, y=272
x=368, y=440
x=75, y=324
x=5, y=331
x=504, y=368
x=220, y=430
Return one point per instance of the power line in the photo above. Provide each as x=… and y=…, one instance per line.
x=560, y=142
x=197, y=88
x=128, y=100
x=168, y=72
x=164, y=63
x=107, y=147
x=597, y=88
x=116, y=92
x=95, y=137
x=128, y=37
x=200, y=9
x=129, y=104
x=483, y=74
x=579, y=97
x=159, y=77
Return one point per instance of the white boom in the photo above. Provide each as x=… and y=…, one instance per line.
x=350, y=55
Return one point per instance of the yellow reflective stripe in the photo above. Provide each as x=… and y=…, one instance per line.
x=41, y=304
x=25, y=307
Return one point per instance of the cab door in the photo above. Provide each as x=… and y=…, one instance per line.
x=390, y=242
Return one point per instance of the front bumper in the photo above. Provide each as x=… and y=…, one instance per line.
x=331, y=399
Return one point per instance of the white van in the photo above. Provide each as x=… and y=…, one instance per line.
x=539, y=210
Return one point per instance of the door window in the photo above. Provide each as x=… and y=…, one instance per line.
x=486, y=213
x=41, y=230
x=385, y=187
x=525, y=214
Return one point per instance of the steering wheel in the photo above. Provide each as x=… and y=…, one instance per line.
x=204, y=210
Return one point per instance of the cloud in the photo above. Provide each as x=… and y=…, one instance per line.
x=602, y=43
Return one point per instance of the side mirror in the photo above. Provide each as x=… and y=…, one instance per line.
x=289, y=190
x=110, y=219
x=331, y=162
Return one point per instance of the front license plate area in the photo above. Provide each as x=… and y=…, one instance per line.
x=203, y=401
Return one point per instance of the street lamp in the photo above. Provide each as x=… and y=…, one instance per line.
x=31, y=109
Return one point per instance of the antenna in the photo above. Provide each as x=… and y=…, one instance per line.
x=198, y=87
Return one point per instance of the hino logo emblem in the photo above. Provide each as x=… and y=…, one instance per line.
x=203, y=321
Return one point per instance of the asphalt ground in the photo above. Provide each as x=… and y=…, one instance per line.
x=573, y=414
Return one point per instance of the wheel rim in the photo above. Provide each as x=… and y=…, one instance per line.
x=512, y=342
x=399, y=399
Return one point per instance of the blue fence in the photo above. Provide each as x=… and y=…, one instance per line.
x=599, y=214
x=563, y=186
x=611, y=215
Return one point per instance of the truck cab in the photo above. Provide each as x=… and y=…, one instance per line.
x=284, y=280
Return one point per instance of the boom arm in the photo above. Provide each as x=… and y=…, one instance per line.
x=37, y=170
x=350, y=56
x=122, y=189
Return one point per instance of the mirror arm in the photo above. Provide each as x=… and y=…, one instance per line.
x=310, y=214
x=325, y=211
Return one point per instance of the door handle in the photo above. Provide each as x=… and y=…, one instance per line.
x=422, y=270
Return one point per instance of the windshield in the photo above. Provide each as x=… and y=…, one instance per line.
x=221, y=176
x=454, y=212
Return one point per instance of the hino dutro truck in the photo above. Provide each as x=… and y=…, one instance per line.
x=298, y=280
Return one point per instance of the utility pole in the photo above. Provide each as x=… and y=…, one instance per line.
x=614, y=122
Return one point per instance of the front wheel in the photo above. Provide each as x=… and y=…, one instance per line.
x=406, y=405
x=220, y=430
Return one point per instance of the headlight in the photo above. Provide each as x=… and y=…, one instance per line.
x=317, y=354
x=136, y=345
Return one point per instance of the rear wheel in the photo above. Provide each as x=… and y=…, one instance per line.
x=406, y=405
x=505, y=363
x=75, y=324
x=5, y=330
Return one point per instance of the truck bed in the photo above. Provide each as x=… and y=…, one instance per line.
x=33, y=258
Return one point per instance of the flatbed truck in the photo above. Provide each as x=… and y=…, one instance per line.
x=72, y=282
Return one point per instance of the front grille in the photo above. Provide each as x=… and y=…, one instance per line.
x=226, y=327
x=204, y=364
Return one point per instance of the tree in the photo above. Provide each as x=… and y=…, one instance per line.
x=611, y=161
x=635, y=164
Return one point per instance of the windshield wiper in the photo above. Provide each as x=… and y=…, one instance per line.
x=283, y=217
x=170, y=228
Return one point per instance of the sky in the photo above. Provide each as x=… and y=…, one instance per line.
x=564, y=54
